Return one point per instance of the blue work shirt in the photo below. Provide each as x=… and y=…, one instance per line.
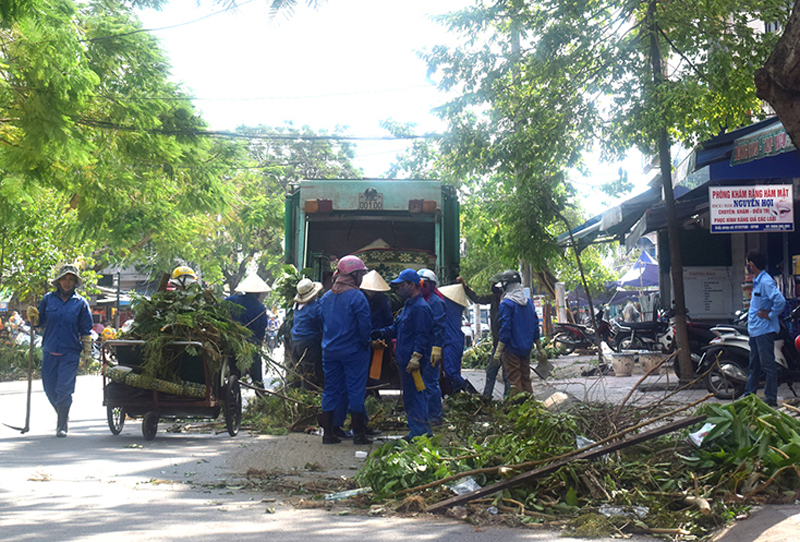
x=765, y=296
x=346, y=325
x=307, y=322
x=413, y=330
x=380, y=308
x=454, y=313
x=438, y=309
x=253, y=317
x=64, y=323
x=519, y=326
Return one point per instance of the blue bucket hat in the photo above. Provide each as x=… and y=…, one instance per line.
x=407, y=275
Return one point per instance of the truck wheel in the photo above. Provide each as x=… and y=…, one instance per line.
x=150, y=425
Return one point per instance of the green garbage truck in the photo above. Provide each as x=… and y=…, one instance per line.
x=390, y=224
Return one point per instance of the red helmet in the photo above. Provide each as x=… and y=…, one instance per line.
x=797, y=343
x=349, y=264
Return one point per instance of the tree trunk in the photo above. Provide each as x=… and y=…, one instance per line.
x=778, y=82
x=676, y=266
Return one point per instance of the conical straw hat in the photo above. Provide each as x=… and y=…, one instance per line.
x=253, y=284
x=373, y=282
x=456, y=294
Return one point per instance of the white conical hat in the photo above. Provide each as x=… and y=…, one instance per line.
x=374, y=282
x=456, y=294
x=253, y=285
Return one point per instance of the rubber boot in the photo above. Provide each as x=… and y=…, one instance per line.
x=360, y=428
x=326, y=421
x=63, y=419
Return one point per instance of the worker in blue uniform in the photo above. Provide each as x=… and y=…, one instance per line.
x=253, y=316
x=455, y=301
x=67, y=322
x=345, y=349
x=413, y=330
x=519, y=330
x=431, y=378
x=307, y=336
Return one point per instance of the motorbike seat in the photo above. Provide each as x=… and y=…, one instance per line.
x=644, y=326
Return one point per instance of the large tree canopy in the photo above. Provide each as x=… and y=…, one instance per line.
x=93, y=128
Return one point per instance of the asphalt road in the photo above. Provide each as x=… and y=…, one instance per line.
x=184, y=487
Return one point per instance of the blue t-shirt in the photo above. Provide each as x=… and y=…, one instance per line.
x=765, y=296
x=413, y=330
x=519, y=326
x=253, y=317
x=64, y=323
x=307, y=322
x=346, y=325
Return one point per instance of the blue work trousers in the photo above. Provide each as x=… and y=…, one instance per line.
x=433, y=393
x=452, y=366
x=762, y=358
x=58, y=377
x=415, y=403
x=348, y=378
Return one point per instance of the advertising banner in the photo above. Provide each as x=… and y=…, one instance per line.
x=759, y=208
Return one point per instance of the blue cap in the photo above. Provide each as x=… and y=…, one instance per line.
x=407, y=275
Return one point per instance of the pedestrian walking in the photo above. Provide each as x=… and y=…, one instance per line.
x=519, y=330
x=67, y=322
x=253, y=316
x=345, y=349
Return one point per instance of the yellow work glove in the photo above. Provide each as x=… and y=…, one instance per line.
x=413, y=370
x=86, y=354
x=436, y=355
x=413, y=364
x=33, y=315
x=498, y=354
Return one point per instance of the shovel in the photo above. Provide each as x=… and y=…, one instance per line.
x=27, y=427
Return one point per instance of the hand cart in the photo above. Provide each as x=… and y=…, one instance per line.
x=201, y=395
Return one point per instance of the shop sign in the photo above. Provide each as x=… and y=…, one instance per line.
x=769, y=141
x=765, y=208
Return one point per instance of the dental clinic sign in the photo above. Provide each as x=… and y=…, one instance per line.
x=764, y=208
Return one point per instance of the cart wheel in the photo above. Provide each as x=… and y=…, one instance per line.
x=150, y=425
x=116, y=419
x=233, y=405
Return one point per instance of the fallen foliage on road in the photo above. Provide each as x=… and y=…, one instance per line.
x=665, y=486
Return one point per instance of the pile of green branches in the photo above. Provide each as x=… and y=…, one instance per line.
x=188, y=315
x=668, y=476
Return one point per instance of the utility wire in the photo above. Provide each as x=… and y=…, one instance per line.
x=140, y=30
x=232, y=135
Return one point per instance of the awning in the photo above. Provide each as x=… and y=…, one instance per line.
x=720, y=148
x=612, y=224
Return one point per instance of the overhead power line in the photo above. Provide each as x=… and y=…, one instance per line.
x=236, y=135
x=140, y=30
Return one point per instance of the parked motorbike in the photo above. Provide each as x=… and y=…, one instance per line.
x=726, y=359
x=569, y=337
x=656, y=335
